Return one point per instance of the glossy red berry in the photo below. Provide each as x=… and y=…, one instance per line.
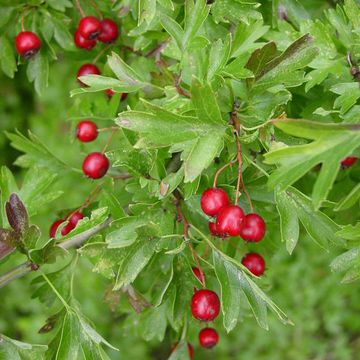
x=87, y=69
x=212, y=200
x=83, y=43
x=230, y=220
x=86, y=131
x=95, y=165
x=75, y=218
x=27, y=44
x=205, y=305
x=349, y=161
x=253, y=228
x=213, y=229
x=54, y=227
x=208, y=338
x=109, y=31
x=89, y=27
x=200, y=275
x=255, y=263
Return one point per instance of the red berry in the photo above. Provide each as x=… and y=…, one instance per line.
x=83, y=43
x=213, y=229
x=95, y=165
x=255, y=263
x=208, y=338
x=199, y=274
x=89, y=27
x=75, y=218
x=205, y=305
x=86, y=131
x=230, y=220
x=27, y=44
x=253, y=228
x=212, y=200
x=54, y=227
x=349, y=161
x=109, y=31
x=87, y=69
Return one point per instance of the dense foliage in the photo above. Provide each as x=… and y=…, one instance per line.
x=258, y=99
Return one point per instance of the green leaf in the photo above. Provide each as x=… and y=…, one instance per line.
x=352, y=11
x=7, y=57
x=137, y=257
x=350, y=232
x=38, y=72
x=218, y=57
x=235, y=11
x=147, y=11
x=289, y=222
x=332, y=143
x=180, y=352
x=349, y=200
x=232, y=277
x=36, y=154
x=282, y=68
x=195, y=16
x=173, y=28
x=60, y=5
x=294, y=206
x=205, y=102
x=154, y=323
x=11, y=349
x=348, y=262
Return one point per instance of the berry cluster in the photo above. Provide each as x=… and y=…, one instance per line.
x=230, y=220
x=91, y=30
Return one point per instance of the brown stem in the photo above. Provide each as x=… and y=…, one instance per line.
x=217, y=174
x=158, y=49
x=108, y=141
x=186, y=225
x=240, y=181
x=128, y=48
x=111, y=128
x=80, y=9
x=23, y=23
x=179, y=89
x=101, y=53
x=97, y=10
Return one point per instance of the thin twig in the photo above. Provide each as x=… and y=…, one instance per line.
x=179, y=89
x=101, y=53
x=108, y=141
x=75, y=241
x=186, y=225
x=217, y=174
x=80, y=9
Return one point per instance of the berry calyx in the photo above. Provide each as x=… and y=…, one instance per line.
x=205, y=305
x=89, y=27
x=27, y=44
x=208, y=338
x=212, y=200
x=83, y=43
x=349, y=161
x=253, y=228
x=255, y=263
x=199, y=274
x=109, y=31
x=95, y=165
x=87, y=69
x=230, y=220
x=86, y=131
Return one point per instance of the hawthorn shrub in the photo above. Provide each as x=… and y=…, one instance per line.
x=178, y=171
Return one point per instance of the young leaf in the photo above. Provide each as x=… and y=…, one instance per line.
x=7, y=57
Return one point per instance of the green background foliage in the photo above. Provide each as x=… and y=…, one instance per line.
x=283, y=60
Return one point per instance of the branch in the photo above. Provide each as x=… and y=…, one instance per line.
x=182, y=218
x=75, y=241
